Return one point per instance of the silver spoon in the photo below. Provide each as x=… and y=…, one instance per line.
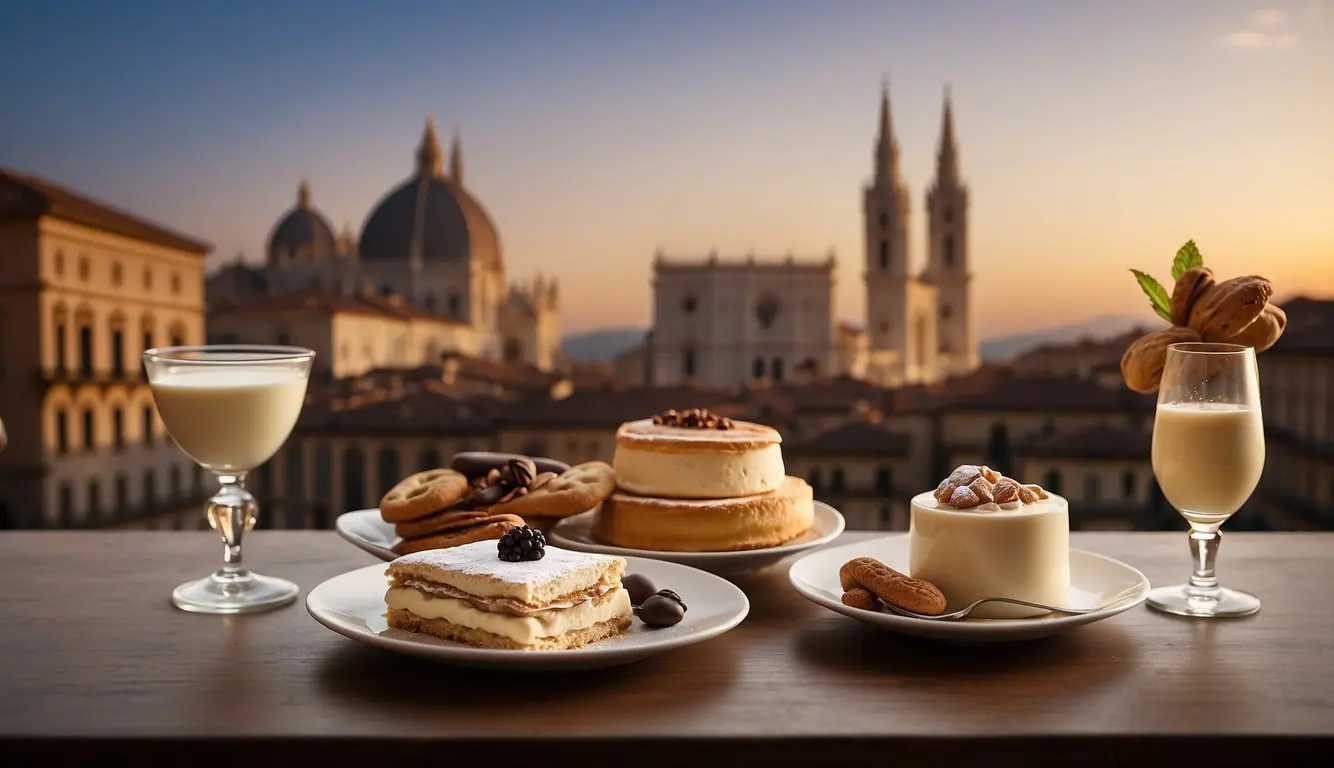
x=962, y=613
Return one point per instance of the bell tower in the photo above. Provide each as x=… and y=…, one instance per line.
x=885, y=212
x=948, y=254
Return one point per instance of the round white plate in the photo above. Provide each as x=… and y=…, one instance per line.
x=352, y=604
x=1095, y=580
x=577, y=533
x=367, y=530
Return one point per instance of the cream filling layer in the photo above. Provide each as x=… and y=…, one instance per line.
x=521, y=629
x=699, y=474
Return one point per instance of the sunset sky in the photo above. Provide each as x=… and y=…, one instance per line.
x=1095, y=136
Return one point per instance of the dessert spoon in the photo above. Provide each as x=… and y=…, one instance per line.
x=963, y=612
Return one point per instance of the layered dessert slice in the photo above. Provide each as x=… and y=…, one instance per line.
x=468, y=594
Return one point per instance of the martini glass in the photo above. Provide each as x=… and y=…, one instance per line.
x=230, y=408
x=1208, y=455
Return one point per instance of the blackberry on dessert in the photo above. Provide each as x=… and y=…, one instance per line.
x=521, y=544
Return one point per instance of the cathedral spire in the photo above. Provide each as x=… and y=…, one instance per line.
x=456, y=159
x=887, y=144
x=430, y=158
x=303, y=195
x=947, y=157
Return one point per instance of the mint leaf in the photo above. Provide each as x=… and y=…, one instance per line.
x=1158, y=298
x=1187, y=258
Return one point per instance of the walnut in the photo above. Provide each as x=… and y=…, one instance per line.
x=1142, y=364
x=1188, y=289
x=1225, y=309
x=967, y=486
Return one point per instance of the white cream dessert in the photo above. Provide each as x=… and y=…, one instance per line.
x=980, y=534
x=469, y=595
x=677, y=456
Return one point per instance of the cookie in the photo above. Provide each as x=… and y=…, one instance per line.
x=449, y=520
x=895, y=588
x=846, y=579
x=475, y=464
x=419, y=495
x=858, y=597
x=457, y=538
x=581, y=488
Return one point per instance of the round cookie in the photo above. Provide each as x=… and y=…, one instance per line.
x=895, y=588
x=857, y=597
x=579, y=489
x=476, y=464
x=424, y=493
x=457, y=538
x=449, y=520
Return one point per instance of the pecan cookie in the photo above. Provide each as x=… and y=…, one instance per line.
x=491, y=530
x=422, y=494
x=897, y=589
x=579, y=489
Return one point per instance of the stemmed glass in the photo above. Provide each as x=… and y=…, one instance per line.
x=230, y=408
x=1208, y=455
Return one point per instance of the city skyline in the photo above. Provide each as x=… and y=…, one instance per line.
x=596, y=134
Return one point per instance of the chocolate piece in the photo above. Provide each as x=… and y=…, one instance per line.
x=475, y=464
x=695, y=418
x=660, y=611
x=639, y=587
x=671, y=595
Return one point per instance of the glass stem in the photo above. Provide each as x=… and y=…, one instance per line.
x=1204, y=548
x=232, y=512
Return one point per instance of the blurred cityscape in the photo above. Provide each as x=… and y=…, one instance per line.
x=427, y=346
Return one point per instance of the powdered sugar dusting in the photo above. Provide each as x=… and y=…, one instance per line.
x=742, y=432
x=480, y=558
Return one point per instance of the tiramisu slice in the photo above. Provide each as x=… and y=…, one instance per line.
x=497, y=595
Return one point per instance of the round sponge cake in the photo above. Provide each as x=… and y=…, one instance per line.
x=672, y=462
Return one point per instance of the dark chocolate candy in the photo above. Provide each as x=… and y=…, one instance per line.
x=639, y=587
x=661, y=611
x=474, y=464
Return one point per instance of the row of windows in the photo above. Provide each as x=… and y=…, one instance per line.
x=89, y=433
x=95, y=510
x=758, y=366
x=884, y=480
x=116, y=327
x=117, y=273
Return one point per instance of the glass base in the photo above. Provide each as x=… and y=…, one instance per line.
x=1185, y=600
x=239, y=592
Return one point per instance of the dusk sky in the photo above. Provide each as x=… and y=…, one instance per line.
x=1094, y=136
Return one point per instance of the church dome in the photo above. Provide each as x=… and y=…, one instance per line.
x=303, y=232
x=432, y=212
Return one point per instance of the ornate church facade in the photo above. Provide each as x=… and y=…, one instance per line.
x=429, y=242
x=724, y=322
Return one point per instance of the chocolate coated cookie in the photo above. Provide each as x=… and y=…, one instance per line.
x=474, y=464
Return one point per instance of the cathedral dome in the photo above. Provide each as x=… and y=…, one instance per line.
x=432, y=212
x=303, y=232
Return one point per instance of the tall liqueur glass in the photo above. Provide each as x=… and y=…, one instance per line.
x=1208, y=454
x=230, y=408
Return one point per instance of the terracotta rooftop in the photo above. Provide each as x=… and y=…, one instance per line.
x=1026, y=393
x=327, y=302
x=856, y=438
x=26, y=197
x=608, y=408
x=419, y=411
x=1098, y=442
x=1310, y=329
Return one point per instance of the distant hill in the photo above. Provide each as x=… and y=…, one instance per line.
x=600, y=345
x=1105, y=326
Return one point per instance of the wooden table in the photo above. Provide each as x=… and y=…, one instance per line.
x=96, y=665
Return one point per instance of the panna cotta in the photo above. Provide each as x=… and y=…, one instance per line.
x=980, y=534
x=686, y=456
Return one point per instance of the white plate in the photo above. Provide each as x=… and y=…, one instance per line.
x=577, y=533
x=367, y=530
x=1095, y=580
x=352, y=604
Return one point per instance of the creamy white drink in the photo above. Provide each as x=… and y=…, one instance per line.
x=227, y=419
x=1012, y=549
x=1208, y=458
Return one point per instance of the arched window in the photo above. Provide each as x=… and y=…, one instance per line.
x=62, y=431
x=118, y=428
x=814, y=479
x=177, y=334
x=429, y=459
x=89, y=435
x=776, y=369
x=146, y=332
x=1128, y=484
x=354, y=478
x=388, y=468
x=85, y=322
x=513, y=350
x=688, y=363
x=1092, y=487
x=689, y=304
x=884, y=481
x=117, y=328
x=1052, y=481
x=174, y=482
x=836, y=481
x=884, y=254
x=148, y=278
x=60, y=331
x=766, y=311
x=122, y=495
x=66, y=494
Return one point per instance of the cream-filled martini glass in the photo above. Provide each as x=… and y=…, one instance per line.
x=1208, y=455
x=230, y=408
